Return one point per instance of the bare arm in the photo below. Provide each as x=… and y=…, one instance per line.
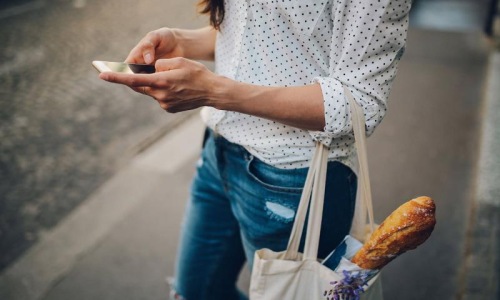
x=198, y=44
x=181, y=84
x=299, y=106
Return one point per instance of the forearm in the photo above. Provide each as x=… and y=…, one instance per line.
x=299, y=106
x=197, y=44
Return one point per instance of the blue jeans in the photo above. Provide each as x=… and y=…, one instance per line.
x=238, y=205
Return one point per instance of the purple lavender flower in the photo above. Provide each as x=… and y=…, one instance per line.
x=350, y=287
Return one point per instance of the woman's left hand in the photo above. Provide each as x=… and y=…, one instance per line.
x=179, y=84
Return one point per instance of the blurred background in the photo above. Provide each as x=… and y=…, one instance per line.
x=94, y=177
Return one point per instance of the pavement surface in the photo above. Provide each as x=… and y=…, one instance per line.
x=63, y=131
x=440, y=138
x=481, y=278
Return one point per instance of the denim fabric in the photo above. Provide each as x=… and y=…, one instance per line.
x=238, y=205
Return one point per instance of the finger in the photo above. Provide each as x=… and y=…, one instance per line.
x=140, y=90
x=172, y=63
x=150, y=43
x=159, y=80
x=144, y=51
x=135, y=56
x=131, y=80
x=148, y=52
x=137, y=89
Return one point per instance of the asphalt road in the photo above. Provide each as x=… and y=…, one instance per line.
x=63, y=131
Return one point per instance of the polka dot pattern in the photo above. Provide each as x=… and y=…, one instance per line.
x=356, y=43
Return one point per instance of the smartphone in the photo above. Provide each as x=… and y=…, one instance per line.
x=121, y=67
x=346, y=249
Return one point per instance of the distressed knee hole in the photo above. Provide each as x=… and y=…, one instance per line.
x=199, y=163
x=173, y=293
x=280, y=212
x=175, y=296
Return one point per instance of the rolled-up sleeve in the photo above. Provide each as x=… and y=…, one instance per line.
x=367, y=43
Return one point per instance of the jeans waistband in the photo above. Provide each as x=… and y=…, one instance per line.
x=224, y=144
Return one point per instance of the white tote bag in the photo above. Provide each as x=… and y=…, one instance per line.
x=290, y=275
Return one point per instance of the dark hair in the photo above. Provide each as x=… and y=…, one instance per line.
x=216, y=10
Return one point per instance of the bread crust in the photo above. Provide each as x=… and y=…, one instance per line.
x=405, y=229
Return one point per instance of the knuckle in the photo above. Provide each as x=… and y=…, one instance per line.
x=152, y=33
x=180, y=60
x=161, y=96
x=149, y=39
x=157, y=97
x=133, y=82
x=197, y=70
x=159, y=83
x=159, y=64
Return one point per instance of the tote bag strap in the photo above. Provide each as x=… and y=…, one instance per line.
x=316, y=207
x=300, y=216
x=364, y=187
x=315, y=185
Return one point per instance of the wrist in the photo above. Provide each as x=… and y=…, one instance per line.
x=220, y=92
x=232, y=95
x=198, y=44
x=179, y=40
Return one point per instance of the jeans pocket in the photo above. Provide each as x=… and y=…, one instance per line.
x=275, y=179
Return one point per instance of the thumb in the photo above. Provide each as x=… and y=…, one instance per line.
x=144, y=52
x=148, y=52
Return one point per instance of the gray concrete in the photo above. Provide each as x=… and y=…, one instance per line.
x=91, y=223
x=428, y=144
x=63, y=131
x=482, y=269
x=488, y=191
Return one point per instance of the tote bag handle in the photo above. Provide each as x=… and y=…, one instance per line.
x=315, y=185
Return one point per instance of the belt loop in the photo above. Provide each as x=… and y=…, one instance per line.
x=206, y=135
x=246, y=155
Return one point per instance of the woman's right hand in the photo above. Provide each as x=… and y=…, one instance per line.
x=157, y=44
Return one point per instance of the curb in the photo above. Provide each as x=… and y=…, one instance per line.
x=482, y=264
x=47, y=262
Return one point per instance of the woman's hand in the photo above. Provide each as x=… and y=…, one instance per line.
x=157, y=44
x=181, y=84
x=178, y=85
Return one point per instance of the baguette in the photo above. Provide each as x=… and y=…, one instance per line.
x=405, y=229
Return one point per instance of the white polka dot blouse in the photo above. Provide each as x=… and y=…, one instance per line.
x=356, y=43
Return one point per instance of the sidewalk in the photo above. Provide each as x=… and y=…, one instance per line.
x=121, y=243
x=482, y=265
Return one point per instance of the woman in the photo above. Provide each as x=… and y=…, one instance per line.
x=277, y=88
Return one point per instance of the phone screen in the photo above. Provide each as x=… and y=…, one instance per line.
x=121, y=67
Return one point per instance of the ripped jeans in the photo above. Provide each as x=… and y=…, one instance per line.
x=238, y=205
